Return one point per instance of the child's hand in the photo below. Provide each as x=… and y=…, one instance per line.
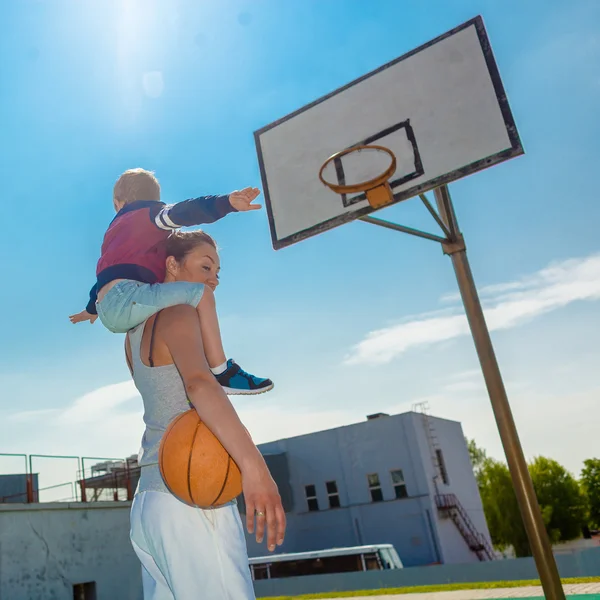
x=242, y=200
x=84, y=315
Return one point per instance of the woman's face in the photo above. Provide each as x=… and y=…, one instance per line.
x=201, y=265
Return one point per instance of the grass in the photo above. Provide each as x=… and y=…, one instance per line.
x=447, y=587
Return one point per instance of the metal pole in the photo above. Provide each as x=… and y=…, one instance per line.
x=403, y=229
x=528, y=504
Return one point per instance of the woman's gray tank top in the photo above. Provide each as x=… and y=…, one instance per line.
x=164, y=397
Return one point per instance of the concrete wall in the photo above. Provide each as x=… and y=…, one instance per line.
x=582, y=564
x=47, y=548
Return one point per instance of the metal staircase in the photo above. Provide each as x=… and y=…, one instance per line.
x=449, y=505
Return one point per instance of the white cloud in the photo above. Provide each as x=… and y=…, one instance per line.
x=273, y=422
x=560, y=426
x=108, y=421
x=26, y=416
x=105, y=421
x=470, y=374
x=506, y=305
x=464, y=386
x=95, y=406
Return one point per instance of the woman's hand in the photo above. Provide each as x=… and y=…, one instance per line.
x=263, y=506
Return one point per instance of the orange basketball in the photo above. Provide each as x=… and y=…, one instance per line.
x=194, y=464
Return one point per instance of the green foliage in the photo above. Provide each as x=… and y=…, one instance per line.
x=478, y=456
x=563, y=503
x=562, y=499
x=590, y=482
x=501, y=508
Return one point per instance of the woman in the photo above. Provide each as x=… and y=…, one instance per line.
x=190, y=553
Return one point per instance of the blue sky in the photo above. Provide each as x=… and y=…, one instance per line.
x=341, y=322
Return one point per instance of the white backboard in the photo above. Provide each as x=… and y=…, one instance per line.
x=441, y=109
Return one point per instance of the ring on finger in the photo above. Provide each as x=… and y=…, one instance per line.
x=260, y=513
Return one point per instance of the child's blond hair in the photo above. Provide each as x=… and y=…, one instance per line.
x=136, y=184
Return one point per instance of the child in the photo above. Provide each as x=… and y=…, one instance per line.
x=131, y=268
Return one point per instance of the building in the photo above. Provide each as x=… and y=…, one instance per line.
x=405, y=479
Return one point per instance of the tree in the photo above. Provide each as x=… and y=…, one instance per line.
x=501, y=509
x=590, y=482
x=563, y=502
x=478, y=456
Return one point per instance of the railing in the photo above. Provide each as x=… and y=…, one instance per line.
x=477, y=542
x=51, y=478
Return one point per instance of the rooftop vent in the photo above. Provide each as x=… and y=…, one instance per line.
x=376, y=416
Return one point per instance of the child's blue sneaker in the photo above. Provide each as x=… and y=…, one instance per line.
x=235, y=380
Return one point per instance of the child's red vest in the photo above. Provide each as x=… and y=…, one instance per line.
x=134, y=245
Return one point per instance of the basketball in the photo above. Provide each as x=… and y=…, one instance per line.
x=194, y=464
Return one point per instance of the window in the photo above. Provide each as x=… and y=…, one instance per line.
x=333, y=494
x=375, y=487
x=342, y=560
x=372, y=562
x=260, y=572
x=311, y=497
x=84, y=591
x=399, y=484
x=315, y=566
x=442, y=465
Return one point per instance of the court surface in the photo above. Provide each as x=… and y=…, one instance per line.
x=576, y=591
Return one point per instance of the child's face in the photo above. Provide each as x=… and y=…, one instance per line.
x=201, y=265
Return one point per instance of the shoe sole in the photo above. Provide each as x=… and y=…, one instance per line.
x=234, y=392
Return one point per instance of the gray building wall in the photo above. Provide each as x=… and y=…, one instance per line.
x=461, y=482
x=45, y=549
x=347, y=455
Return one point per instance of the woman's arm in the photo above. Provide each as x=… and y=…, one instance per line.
x=128, y=354
x=179, y=328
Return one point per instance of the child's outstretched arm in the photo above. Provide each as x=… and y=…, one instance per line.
x=205, y=209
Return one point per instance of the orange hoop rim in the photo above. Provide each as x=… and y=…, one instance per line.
x=365, y=185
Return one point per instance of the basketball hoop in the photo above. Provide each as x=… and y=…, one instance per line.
x=378, y=190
